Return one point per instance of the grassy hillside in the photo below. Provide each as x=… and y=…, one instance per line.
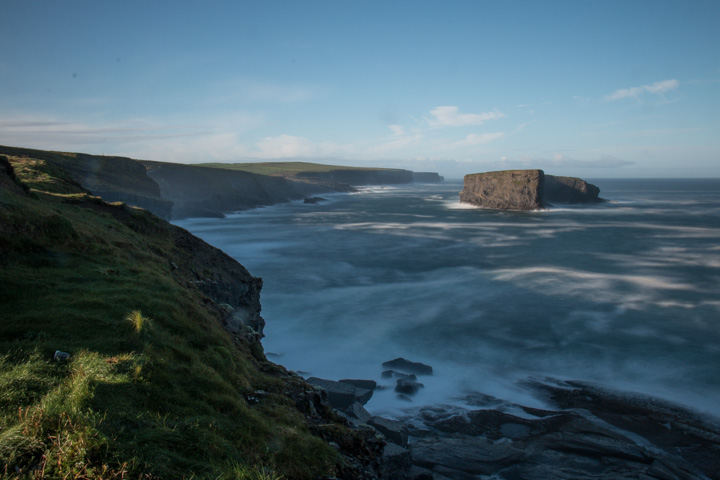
x=286, y=169
x=155, y=386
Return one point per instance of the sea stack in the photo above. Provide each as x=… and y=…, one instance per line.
x=506, y=190
x=525, y=190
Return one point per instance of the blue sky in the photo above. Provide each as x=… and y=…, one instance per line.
x=588, y=88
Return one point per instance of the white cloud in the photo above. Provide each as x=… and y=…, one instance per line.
x=397, y=130
x=396, y=145
x=288, y=146
x=450, y=116
x=477, y=139
x=635, y=92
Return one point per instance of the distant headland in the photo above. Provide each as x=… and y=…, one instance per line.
x=175, y=191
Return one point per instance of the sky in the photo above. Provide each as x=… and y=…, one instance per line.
x=595, y=89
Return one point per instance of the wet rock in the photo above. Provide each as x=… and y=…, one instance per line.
x=357, y=413
x=408, y=387
x=407, y=366
x=419, y=473
x=397, y=462
x=495, y=424
x=478, y=456
x=393, y=430
x=341, y=395
x=366, y=384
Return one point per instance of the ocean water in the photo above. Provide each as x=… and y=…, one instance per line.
x=624, y=294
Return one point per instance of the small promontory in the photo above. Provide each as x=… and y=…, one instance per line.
x=525, y=190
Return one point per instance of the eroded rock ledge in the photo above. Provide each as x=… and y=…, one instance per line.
x=525, y=190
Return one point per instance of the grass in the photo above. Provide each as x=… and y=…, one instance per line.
x=154, y=386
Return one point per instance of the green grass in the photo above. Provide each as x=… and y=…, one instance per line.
x=154, y=386
x=285, y=169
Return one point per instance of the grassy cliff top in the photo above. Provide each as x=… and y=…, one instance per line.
x=287, y=168
x=155, y=386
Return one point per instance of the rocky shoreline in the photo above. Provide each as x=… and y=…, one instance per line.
x=588, y=433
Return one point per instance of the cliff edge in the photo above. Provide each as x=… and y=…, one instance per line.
x=130, y=349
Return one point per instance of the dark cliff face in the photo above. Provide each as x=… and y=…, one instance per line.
x=507, y=189
x=221, y=279
x=202, y=191
x=360, y=177
x=115, y=179
x=427, y=177
x=570, y=190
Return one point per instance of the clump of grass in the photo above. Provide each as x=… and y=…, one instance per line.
x=139, y=322
x=236, y=471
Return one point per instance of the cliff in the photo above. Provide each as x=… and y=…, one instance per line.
x=427, y=177
x=116, y=179
x=172, y=190
x=359, y=177
x=197, y=191
x=130, y=349
x=525, y=190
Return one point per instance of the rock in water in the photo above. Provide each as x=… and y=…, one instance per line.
x=507, y=189
x=408, y=367
x=525, y=190
x=570, y=190
x=341, y=395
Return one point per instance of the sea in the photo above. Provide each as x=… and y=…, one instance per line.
x=623, y=294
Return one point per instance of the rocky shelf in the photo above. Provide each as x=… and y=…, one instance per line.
x=587, y=432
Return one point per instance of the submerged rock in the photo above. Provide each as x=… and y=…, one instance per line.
x=408, y=387
x=408, y=367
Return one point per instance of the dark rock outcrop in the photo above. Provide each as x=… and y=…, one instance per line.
x=507, y=189
x=570, y=190
x=408, y=367
x=341, y=395
x=408, y=387
x=592, y=433
x=525, y=190
x=222, y=279
x=394, y=431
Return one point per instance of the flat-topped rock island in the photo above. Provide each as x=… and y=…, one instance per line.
x=525, y=190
